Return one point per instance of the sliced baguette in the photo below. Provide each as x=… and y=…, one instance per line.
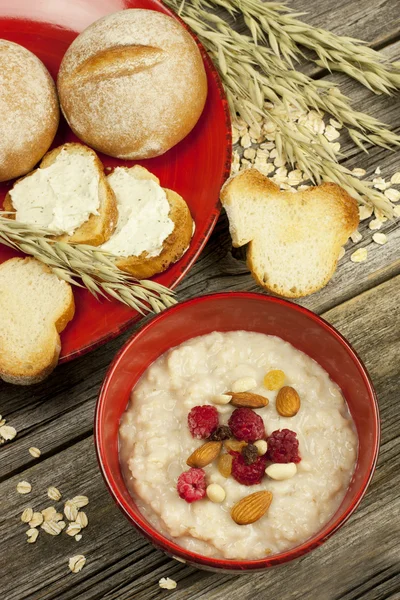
x=98, y=228
x=35, y=306
x=174, y=246
x=294, y=240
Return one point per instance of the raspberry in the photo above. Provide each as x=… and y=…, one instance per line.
x=283, y=447
x=248, y=474
x=222, y=432
x=246, y=425
x=250, y=454
x=191, y=485
x=202, y=420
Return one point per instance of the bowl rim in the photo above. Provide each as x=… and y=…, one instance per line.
x=168, y=545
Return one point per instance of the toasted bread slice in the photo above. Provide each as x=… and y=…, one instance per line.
x=147, y=264
x=98, y=227
x=35, y=306
x=294, y=239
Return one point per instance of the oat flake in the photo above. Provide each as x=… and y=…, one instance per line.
x=392, y=194
x=379, y=238
x=48, y=513
x=35, y=452
x=365, y=211
x=359, y=255
x=78, y=537
x=359, y=172
x=70, y=510
x=36, y=520
x=27, y=515
x=375, y=224
x=7, y=432
x=73, y=529
x=166, y=583
x=356, y=237
x=54, y=494
x=32, y=535
x=23, y=487
x=395, y=179
x=82, y=519
x=76, y=563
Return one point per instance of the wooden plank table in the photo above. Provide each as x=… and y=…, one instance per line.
x=362, y=560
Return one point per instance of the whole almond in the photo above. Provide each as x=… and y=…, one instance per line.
x=248, y=400
x=251, y=508
x=204, y=455
x=287, y=402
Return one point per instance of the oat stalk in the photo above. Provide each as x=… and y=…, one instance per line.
x=277, y=24
x=85, y=266
x=255, y=75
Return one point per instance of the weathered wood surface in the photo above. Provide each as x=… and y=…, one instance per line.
x=362, y=301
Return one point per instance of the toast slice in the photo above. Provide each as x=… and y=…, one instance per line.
x=294, y=239
x=99, y=225
x=35, y=306
x=169, y=228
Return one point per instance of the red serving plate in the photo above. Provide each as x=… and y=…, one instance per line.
x=196, y=168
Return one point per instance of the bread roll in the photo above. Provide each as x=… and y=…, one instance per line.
x=133, y=84
x=29, y=111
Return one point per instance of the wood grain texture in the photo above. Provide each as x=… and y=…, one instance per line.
x=362, y=561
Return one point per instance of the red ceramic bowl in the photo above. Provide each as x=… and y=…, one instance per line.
x=226, y=312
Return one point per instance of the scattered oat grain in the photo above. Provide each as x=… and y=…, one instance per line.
x=379, y=238
x=70, y=510
x=395, y=179
x=359, y=172
x=49, y=513
x=378, y=171
x=23, y=487
x=80, y=501
x=35, y=452
x=365, y=211
x=76, y=563
x=356, y=237
x=396, y=211
x=375, y=224
x=53, y=527
x=7, y=432
x=78, y=537
x=392, y=194
x=82, y=519
x=73, y=529
x=166, y=583
x=27, y=515
x=335, y=124
x=36, y=520
x=359, y=255
x=32, y=535
x=54, y=494
x=331, y=133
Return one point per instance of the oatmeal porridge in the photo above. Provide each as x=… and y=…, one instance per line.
x=236, y=445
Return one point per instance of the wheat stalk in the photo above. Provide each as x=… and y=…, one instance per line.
x=94, y=268
x=254, y=74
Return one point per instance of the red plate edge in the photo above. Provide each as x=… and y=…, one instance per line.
x=213, y=210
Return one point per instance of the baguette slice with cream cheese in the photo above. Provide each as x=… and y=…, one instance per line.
x=69, y=192
x=154, y=226
x=35, y=306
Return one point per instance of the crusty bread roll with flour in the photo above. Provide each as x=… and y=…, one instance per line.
x=133, y=84
x=29, y=112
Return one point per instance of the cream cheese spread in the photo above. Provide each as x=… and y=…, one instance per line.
x=60, y=197
x=143, y=221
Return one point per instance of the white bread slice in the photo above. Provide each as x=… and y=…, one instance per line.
x=173, y=247
x=35, y=306
x=294, y=239
x=98, y=227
